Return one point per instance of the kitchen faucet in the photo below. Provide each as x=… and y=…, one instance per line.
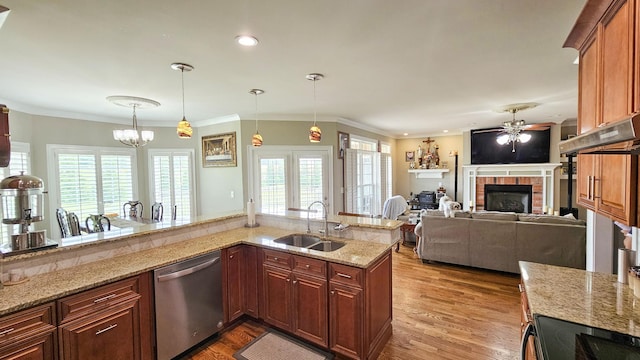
x=326, y=226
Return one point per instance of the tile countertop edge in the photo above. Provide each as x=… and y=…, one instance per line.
x=55, y=285
x=583, y=297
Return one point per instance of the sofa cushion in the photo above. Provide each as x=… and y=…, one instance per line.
x=438, y=213
x=462, y=214
x=495, y=215
x=549, y=219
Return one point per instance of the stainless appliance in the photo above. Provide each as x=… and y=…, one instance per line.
x=623, y=135
x=188, y=299
x=557, y=339
x=23, y=204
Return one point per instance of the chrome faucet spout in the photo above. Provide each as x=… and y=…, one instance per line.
x=325, y=215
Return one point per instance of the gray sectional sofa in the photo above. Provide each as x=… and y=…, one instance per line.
x=498, y=240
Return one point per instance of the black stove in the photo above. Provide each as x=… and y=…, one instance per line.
x=564, y=340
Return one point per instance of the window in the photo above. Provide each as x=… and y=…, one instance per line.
x=172, y=181
x=289, y=178
x=368, y=176
x=91, y=180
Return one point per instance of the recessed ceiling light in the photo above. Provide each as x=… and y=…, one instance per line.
x=445, y=131
x=246, y=40
x=406, y=134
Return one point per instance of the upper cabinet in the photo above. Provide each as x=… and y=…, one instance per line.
x=605, y=35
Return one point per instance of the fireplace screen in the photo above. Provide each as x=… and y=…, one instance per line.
x=515, y=198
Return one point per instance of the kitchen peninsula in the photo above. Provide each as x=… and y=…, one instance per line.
x=566, y=298
x=134, y=255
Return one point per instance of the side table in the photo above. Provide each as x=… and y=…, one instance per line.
x=406, y=227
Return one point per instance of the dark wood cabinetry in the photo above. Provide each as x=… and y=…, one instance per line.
x=29, y=334
x=605, y=35
x=110, y=322
x=295, y=295
x=526, y=319
x=360, y=308
x=240, y=274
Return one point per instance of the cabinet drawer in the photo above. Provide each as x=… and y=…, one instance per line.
x=346, y=274
x=277, y=258
x=87, y=302
x=26, y=324
x=310, y=266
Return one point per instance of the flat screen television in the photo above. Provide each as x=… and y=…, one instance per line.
x=486, y=150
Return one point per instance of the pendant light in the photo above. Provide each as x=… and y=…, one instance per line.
x=256, y=140
x=132, y=137
x=315, y=134
x=184, y=129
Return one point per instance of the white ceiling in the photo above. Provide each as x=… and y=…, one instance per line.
x=415, y=66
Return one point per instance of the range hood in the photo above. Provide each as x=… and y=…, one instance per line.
x=623, y=137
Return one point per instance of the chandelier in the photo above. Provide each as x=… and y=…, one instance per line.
x=132, y=137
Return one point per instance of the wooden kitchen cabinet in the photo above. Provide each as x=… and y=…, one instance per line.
x=605, y=36
x=109, y=322
x=526, y=319
x=295, y=295
x=29, y=334
x=360, y=310
x=240, y=282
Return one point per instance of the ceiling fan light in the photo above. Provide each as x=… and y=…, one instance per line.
x=502, y=139
x=523, y=138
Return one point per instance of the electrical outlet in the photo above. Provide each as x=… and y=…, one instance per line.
x=233, y=194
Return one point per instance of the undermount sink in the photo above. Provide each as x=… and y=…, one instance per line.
x=309, y=242
x=298, y=240
x=327, y=245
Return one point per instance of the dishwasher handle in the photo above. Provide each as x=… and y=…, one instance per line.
x=187, y=271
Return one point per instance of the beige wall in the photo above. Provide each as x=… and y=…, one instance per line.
x=408, y=183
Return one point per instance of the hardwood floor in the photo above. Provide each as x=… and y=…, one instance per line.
x=439, y=312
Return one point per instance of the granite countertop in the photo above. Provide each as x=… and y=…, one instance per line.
x=50, y=286
x=584, y=297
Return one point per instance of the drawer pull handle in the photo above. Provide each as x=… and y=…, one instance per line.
x=288, y=280
x=106, y=329
x=307, y=266
x=344, y=275
x=275, y=259
x=520, y=288
x=5, y=332
x=104, y=298
x=295, y=281
x=333, y=292
x=230, y=256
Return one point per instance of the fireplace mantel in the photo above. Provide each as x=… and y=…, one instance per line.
x=544, y=172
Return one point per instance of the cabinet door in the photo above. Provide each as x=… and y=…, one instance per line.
x=29, y=334
x=617, y=61
x=588, y=99
x=585, y=180
x=346, y=326
x=310, y=308
x=277, y=297
x=112, y=334
x=250, y=287
x=234, y=298
x=5, y=144
x=616, y=188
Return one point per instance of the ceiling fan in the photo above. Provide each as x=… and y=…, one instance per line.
x=512, y=131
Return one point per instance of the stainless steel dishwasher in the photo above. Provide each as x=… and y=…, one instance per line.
x=188, y=299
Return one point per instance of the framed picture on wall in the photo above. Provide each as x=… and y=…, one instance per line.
x=343, y=144
x=409, y=156
x=219, y=150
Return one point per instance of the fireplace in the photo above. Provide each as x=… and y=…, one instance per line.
x=503, y=197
